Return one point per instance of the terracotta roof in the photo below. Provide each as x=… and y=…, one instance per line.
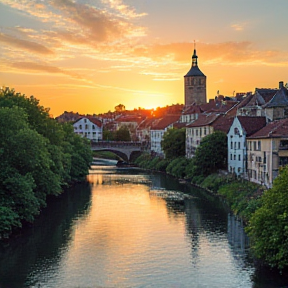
x=164, y=122
x=275, y=129
x=218, y=106
x=192, y=109
x=222, y=123
x=92, y=119
x=251, y=124
x=146, y=123
x=95, y=121
x=204, y=120
x=129, y=118
x=179, y=125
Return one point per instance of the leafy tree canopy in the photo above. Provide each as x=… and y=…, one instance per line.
x=37, y=157
x=122, y=134
x=211, y=155
x=173, y=143
x=268, y=226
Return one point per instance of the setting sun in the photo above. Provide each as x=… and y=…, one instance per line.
x=88, y=56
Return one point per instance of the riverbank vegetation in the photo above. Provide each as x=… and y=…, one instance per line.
x=265, y=212
x=38, y=157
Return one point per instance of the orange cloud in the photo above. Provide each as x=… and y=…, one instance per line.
x=24, y=44
x=30, y=66
x=227, y=53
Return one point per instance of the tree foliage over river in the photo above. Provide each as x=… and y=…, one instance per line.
x=38, y=157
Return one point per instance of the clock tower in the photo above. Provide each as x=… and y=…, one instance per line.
x=195, y=84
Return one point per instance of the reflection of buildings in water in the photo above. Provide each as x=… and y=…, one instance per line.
x=193, y=225
x=116, y=179
x=236, y=235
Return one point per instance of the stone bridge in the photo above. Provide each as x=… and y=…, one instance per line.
x=123, y=149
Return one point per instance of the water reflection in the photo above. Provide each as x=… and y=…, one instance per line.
x=25, y=257
x=113, y=232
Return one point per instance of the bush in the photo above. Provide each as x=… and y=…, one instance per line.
x=242, y=196
x=162, y=165
x=213, y=182
x=198, y=179
x=152, y=164
x=178, y=168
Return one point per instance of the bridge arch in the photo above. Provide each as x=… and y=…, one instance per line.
x=123, y=149
x=120, y=154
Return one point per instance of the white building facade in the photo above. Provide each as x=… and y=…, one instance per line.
x=90, y=128
x=236, y=139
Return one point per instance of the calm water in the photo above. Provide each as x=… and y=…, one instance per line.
x=120, y=230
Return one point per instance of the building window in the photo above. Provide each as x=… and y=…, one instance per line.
x=93, y=127
x=231, y=145
x=231, y=157
x=239, y=157
x=254, y=144
x=239, y=145
x=80, y=126
x=234, y=157
x=259, y=145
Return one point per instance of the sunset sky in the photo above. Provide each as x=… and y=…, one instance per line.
x=88, y=56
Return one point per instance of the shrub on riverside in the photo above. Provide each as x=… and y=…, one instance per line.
x=268, y=228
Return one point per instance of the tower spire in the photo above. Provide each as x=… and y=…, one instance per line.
x=194, y=57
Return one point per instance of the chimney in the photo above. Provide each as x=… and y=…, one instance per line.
x=281, y=84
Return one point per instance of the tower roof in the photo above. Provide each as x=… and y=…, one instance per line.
x=194, y=71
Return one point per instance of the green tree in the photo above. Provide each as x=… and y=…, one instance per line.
x=37, y=157
x=211, y=155
x=268, y=226
x=122, y=134
x=173, y=143
x=108, y=135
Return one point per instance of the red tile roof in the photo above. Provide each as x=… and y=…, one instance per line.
x=164, y=122
x=222, y=123
x=252, y=124
x=130, y=118
x=192, y=109
x=275, y=129
x=148, y=122
x=204, y=120
x=92, y=119
x=95, y=121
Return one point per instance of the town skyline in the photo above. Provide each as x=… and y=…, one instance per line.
x=88, y=56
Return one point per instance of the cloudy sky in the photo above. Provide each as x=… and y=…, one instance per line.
x=88, y=56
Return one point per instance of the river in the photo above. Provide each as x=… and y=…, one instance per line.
x=129, y=228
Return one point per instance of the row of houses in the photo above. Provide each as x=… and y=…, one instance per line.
x=256, y=125
x=256, y=128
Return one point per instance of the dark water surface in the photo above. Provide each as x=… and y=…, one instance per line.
x=120, y=229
